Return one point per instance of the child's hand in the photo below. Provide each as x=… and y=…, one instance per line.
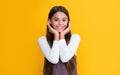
x=51, y=30
x=67, y=30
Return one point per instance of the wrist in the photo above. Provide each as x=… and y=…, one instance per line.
x=62, y=36
x=56, y=37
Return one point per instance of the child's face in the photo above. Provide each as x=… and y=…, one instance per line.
x=59, y=21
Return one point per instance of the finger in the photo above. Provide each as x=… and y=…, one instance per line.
x=49, y=25
x=69, y=25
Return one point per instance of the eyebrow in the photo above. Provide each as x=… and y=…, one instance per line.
x=57, y=17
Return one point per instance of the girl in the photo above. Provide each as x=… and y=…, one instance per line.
x=59, y=46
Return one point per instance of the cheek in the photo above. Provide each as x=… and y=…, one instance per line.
x=66, y=24
x=54, y=23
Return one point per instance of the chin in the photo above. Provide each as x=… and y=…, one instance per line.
x=60, y=30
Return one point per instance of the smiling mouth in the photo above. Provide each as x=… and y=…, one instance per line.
x=60, y=27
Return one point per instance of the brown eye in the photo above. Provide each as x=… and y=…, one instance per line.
x=56, y=19
x=64, y=20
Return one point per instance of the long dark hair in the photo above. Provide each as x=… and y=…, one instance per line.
x=47, y=70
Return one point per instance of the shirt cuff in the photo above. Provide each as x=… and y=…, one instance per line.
x=62, y=42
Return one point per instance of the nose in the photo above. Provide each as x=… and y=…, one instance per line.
x=60, y=22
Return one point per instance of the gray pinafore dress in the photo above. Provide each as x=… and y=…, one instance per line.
x=60, y=69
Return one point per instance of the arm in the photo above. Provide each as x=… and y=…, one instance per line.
x=68, y=51
x=51, y=54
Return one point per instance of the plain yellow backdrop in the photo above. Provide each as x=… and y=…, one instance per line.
x=96, y=21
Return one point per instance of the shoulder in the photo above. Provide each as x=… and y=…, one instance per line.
x=75, y=36
x=42, y=38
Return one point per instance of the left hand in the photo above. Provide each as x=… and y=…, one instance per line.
x=67, y=30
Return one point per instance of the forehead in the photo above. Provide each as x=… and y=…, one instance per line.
x=59, y=15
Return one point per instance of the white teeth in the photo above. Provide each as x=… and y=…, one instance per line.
x=59, y=27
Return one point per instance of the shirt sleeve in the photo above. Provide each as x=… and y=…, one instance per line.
x=68, y=51
x=51, y=54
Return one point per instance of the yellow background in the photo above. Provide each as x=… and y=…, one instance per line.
x=23, y=21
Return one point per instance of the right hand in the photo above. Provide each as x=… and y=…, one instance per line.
x=52, y=30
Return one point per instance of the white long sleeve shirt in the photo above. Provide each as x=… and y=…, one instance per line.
x=59, y=49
